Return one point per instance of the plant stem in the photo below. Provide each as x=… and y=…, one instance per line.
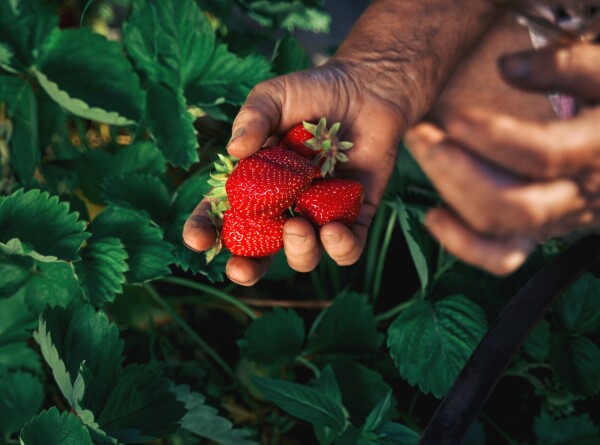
x=397, y=309
x=382, y=255
x=189, y=331
x=304, y=361
x=509, y=439
x=212, y=292
x=372, y=248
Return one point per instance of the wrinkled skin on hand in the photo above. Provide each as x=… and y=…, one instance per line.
x=514, y=181
x=372, y=123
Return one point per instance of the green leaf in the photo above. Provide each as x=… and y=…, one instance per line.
x=142, y=193
x=392, y=433
x=21, y=110
x=140, y=406
x=276, y=337
x=575, y=361
x=18, y=356
x=22, y=397
x=362, y=388
x=346, y=327
x=6, y=56
x=538, y=343
x=379, y=415
x=50, y=284
x=149, y=255
x=189, y=194
x=103, y=88
x=102, y=269
x=289, y=15
x=97, y=165
x=550, y=431
x=70, y=338
x=578, y=309
x=205, y=421
x=327, y=385
x=174, y=131
x=26, y=24
x=305, y=403
x=54, y=428
x=418, y=241
x=290, y=56
x=430, y=342
x=227, y=78
x=23, y=214
x=475, y=435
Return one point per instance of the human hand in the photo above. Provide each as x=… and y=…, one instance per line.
x=511, y=182
x=372, y=123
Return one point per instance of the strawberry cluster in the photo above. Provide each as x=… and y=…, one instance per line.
x=252, y=200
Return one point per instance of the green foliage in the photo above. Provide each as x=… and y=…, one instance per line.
x=274, y=338
x=108, y=130
x=430, y=342
x=54, y=428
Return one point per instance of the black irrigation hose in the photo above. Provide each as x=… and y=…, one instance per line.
x=484, y=368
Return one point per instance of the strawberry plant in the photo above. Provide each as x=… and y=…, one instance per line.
x=112, y=331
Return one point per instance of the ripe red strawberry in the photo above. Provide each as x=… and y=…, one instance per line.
x=331, y=199
x=253, y=237
x=317, y=143
x=268, y=182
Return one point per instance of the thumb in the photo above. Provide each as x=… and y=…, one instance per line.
x=257, y=119
x=569, y=69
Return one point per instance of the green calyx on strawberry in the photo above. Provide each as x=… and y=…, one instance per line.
x=331, y=199
x=318, y=143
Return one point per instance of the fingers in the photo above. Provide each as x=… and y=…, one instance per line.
x=301, y=246
x=247, y=271
x=497, y=256
x=570, y=69
x=257, y=119
x=199, y=234
x=489, y=199
x=531, y=149
x=343, y=245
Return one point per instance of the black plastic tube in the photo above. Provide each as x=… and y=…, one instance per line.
x=481, y=373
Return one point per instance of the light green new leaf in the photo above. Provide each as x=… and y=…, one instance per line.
x=276, y=337
x=379, y=414
x=103, y=88
x=550, y=431
x=303, y=402
x=6, y=56
x=22, y=397
x=289, y=15
x=430, y=342
x=142, y=193
x=575, y=361
x=102, y=269
x=578, y=309
x=26, y=24
x=53, y=428
x=81, y=336
x=205, y=421
x=345, y=327
x=24, y=214
x=149, y=255
x=140, y=406
x=21, y=109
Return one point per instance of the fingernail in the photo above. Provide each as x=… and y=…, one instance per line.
x=516, y=66
x=239, y=132
x=294, y=238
